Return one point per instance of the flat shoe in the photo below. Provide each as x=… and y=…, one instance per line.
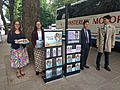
x=18, y=74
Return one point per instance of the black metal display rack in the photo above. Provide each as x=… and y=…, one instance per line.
x=53, y=55
x=72, y=51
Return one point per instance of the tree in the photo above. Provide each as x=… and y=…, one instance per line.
x=11, y=10
x=0, y=6
x=18, y=10
x=10, y=5
x=31, y=13
x=3, y=18
x=46, y=17
x=46, y=14
x=59, y=3
x=48, y=10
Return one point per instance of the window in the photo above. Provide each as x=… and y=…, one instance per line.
x=90, y=7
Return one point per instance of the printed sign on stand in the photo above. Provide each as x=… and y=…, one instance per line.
x=53, y=55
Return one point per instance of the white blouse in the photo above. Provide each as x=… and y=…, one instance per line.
x=39, y=35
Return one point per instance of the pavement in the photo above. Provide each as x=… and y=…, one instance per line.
x=89, y=79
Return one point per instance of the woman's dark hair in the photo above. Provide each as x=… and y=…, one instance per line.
x=13, y=26
x=35, y=28
x=85, y=21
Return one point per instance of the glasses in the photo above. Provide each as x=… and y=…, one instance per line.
x=38, y=24
x=17, y=24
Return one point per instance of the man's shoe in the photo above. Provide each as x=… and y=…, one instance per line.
x=86, y=66
x=98, y=68
x=82, y=68
x=107, y=68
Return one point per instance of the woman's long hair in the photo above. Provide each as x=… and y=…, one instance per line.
x=35, y=28
x=13, y=26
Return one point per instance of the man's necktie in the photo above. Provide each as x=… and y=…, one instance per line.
x=87, y=41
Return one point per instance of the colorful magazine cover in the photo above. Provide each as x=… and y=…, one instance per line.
x=53, y=39
x=69, y=49
x=59, y=71
x=69, y=68
x=48, y=73
x=59, y=61
x=77, y=66
x=69, y=58
x=78, y=48
x=47, y=53
x=77, y=57
x=54, y=52
x=48, y=63
x=73, y=37
x=59, y=51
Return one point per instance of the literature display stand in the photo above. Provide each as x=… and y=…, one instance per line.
x=72, y=51
x=53, y=55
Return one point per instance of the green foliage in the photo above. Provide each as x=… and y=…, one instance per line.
x=7, y=15
x=18, y=9
x=46, y=15
x=47, y=10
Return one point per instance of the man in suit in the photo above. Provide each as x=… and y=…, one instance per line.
x=85, y=44
x=105, y=41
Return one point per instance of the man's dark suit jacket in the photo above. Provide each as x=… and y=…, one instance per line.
x=83, y=38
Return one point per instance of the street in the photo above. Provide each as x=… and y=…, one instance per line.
x=89, y=79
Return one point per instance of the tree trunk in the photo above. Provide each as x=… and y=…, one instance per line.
x=11, y=10
x=31, y=12
x=3, y=18
x=0, y=7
